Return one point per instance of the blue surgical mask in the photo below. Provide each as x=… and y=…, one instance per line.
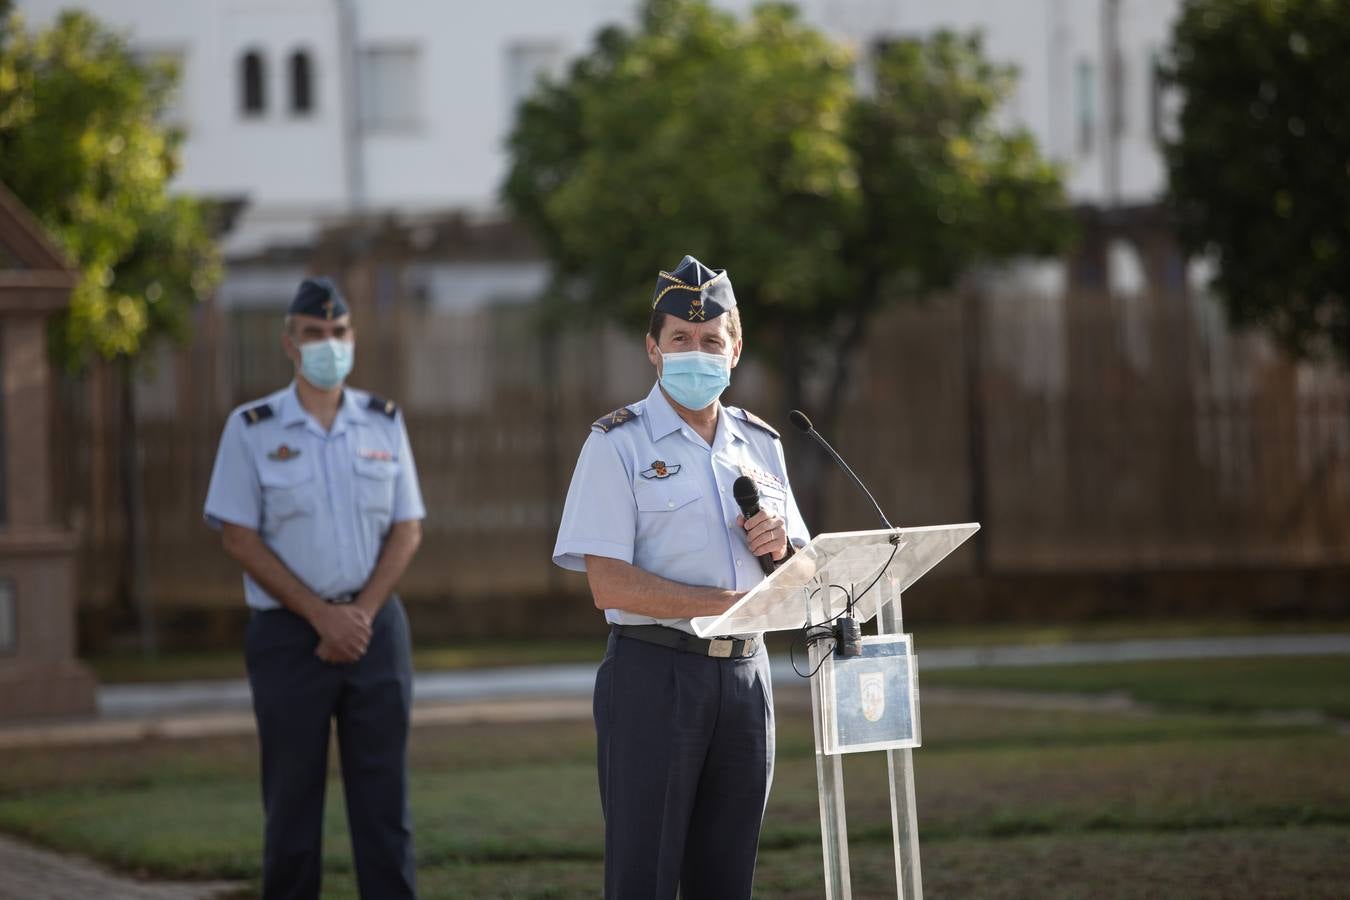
x=326, y=364
x=695, y=379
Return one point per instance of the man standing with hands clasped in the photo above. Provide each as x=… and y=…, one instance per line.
x=316, y=496
x=684, y=725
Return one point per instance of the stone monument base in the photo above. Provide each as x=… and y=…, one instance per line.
x=39, y=674
x=46, y=690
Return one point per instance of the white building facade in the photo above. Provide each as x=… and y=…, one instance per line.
x=312, y=110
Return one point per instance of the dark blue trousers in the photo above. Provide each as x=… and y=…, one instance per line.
x=685, y=752
x=296, y=697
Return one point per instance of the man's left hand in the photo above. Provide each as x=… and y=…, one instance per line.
x=333, y=654
x=766, y=533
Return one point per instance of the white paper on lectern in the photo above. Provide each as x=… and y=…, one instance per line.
x=816, y=582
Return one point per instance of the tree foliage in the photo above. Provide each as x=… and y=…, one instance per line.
x=1260, y=169
x=82, y=144
x=752, y=144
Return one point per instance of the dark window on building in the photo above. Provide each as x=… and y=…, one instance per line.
x=253, y=80
x=302, y=83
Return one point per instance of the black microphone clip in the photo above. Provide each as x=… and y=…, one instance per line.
x=848, y=637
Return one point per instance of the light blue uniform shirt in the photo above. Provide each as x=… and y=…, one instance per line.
x=322, y=501
x=652, y=493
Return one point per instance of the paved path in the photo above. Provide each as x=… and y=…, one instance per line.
x=535, y=693
x=33, y=874
x=576, y=680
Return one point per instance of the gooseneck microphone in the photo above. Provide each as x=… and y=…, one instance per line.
x=747, y=498
x=802, y=423
x=847, y=632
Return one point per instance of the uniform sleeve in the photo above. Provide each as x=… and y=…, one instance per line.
x=600, y=516
x=407, y=490
x=235, y=494
x=797, y=532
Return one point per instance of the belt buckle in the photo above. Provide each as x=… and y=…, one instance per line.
x=721, y=648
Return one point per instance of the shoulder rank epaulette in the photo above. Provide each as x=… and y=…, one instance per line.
x=759, y=423
x=255, y=414
x=614, y=420
x=382, y=406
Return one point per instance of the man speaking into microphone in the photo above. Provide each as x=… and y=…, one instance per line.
x=684, y=725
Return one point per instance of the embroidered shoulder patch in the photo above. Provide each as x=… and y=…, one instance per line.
x=620, y=416
x=759, y=423
x=382, y=406
x=255, y=414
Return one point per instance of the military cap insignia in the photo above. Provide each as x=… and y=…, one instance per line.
x=759, y=423
x=659, y=469
x=255, y=414
x=693, y=292
x=614, y=420
x=382, y=406
x=284, y=453
x=318, y=297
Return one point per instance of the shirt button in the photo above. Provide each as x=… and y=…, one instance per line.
x=738, y=563
x=670, y=504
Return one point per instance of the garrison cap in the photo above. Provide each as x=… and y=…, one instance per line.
x=693, y=292
x=320, y=298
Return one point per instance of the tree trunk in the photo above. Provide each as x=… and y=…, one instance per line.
x=973, y=357
x=550, y=427
x=132, y=589
x=805, y=460
x=810, y=462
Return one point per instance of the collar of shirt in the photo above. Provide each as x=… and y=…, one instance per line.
x=662, y=419
x=290, y=411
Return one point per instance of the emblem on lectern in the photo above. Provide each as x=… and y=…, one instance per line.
x=872, y=690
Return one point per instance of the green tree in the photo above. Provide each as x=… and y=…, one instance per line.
x=1260, y=167
x=752, y=144
x=83, y=145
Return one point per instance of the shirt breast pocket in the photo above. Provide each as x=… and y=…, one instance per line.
x=671, y=520
x=288, y=494
x=375, y=486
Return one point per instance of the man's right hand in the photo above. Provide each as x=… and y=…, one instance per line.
x=344, y=632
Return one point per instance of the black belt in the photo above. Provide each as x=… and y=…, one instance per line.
x=719, y=648
x=340, y=599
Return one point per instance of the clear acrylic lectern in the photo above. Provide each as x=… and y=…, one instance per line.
x=858, y=703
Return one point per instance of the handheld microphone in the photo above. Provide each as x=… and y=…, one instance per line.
x=747, y=498
x=847, y=634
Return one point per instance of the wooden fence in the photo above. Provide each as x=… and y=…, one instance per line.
x=1111, y=437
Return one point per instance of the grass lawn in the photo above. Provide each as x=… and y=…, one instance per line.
x=1182, y=802
x=1320, y=684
